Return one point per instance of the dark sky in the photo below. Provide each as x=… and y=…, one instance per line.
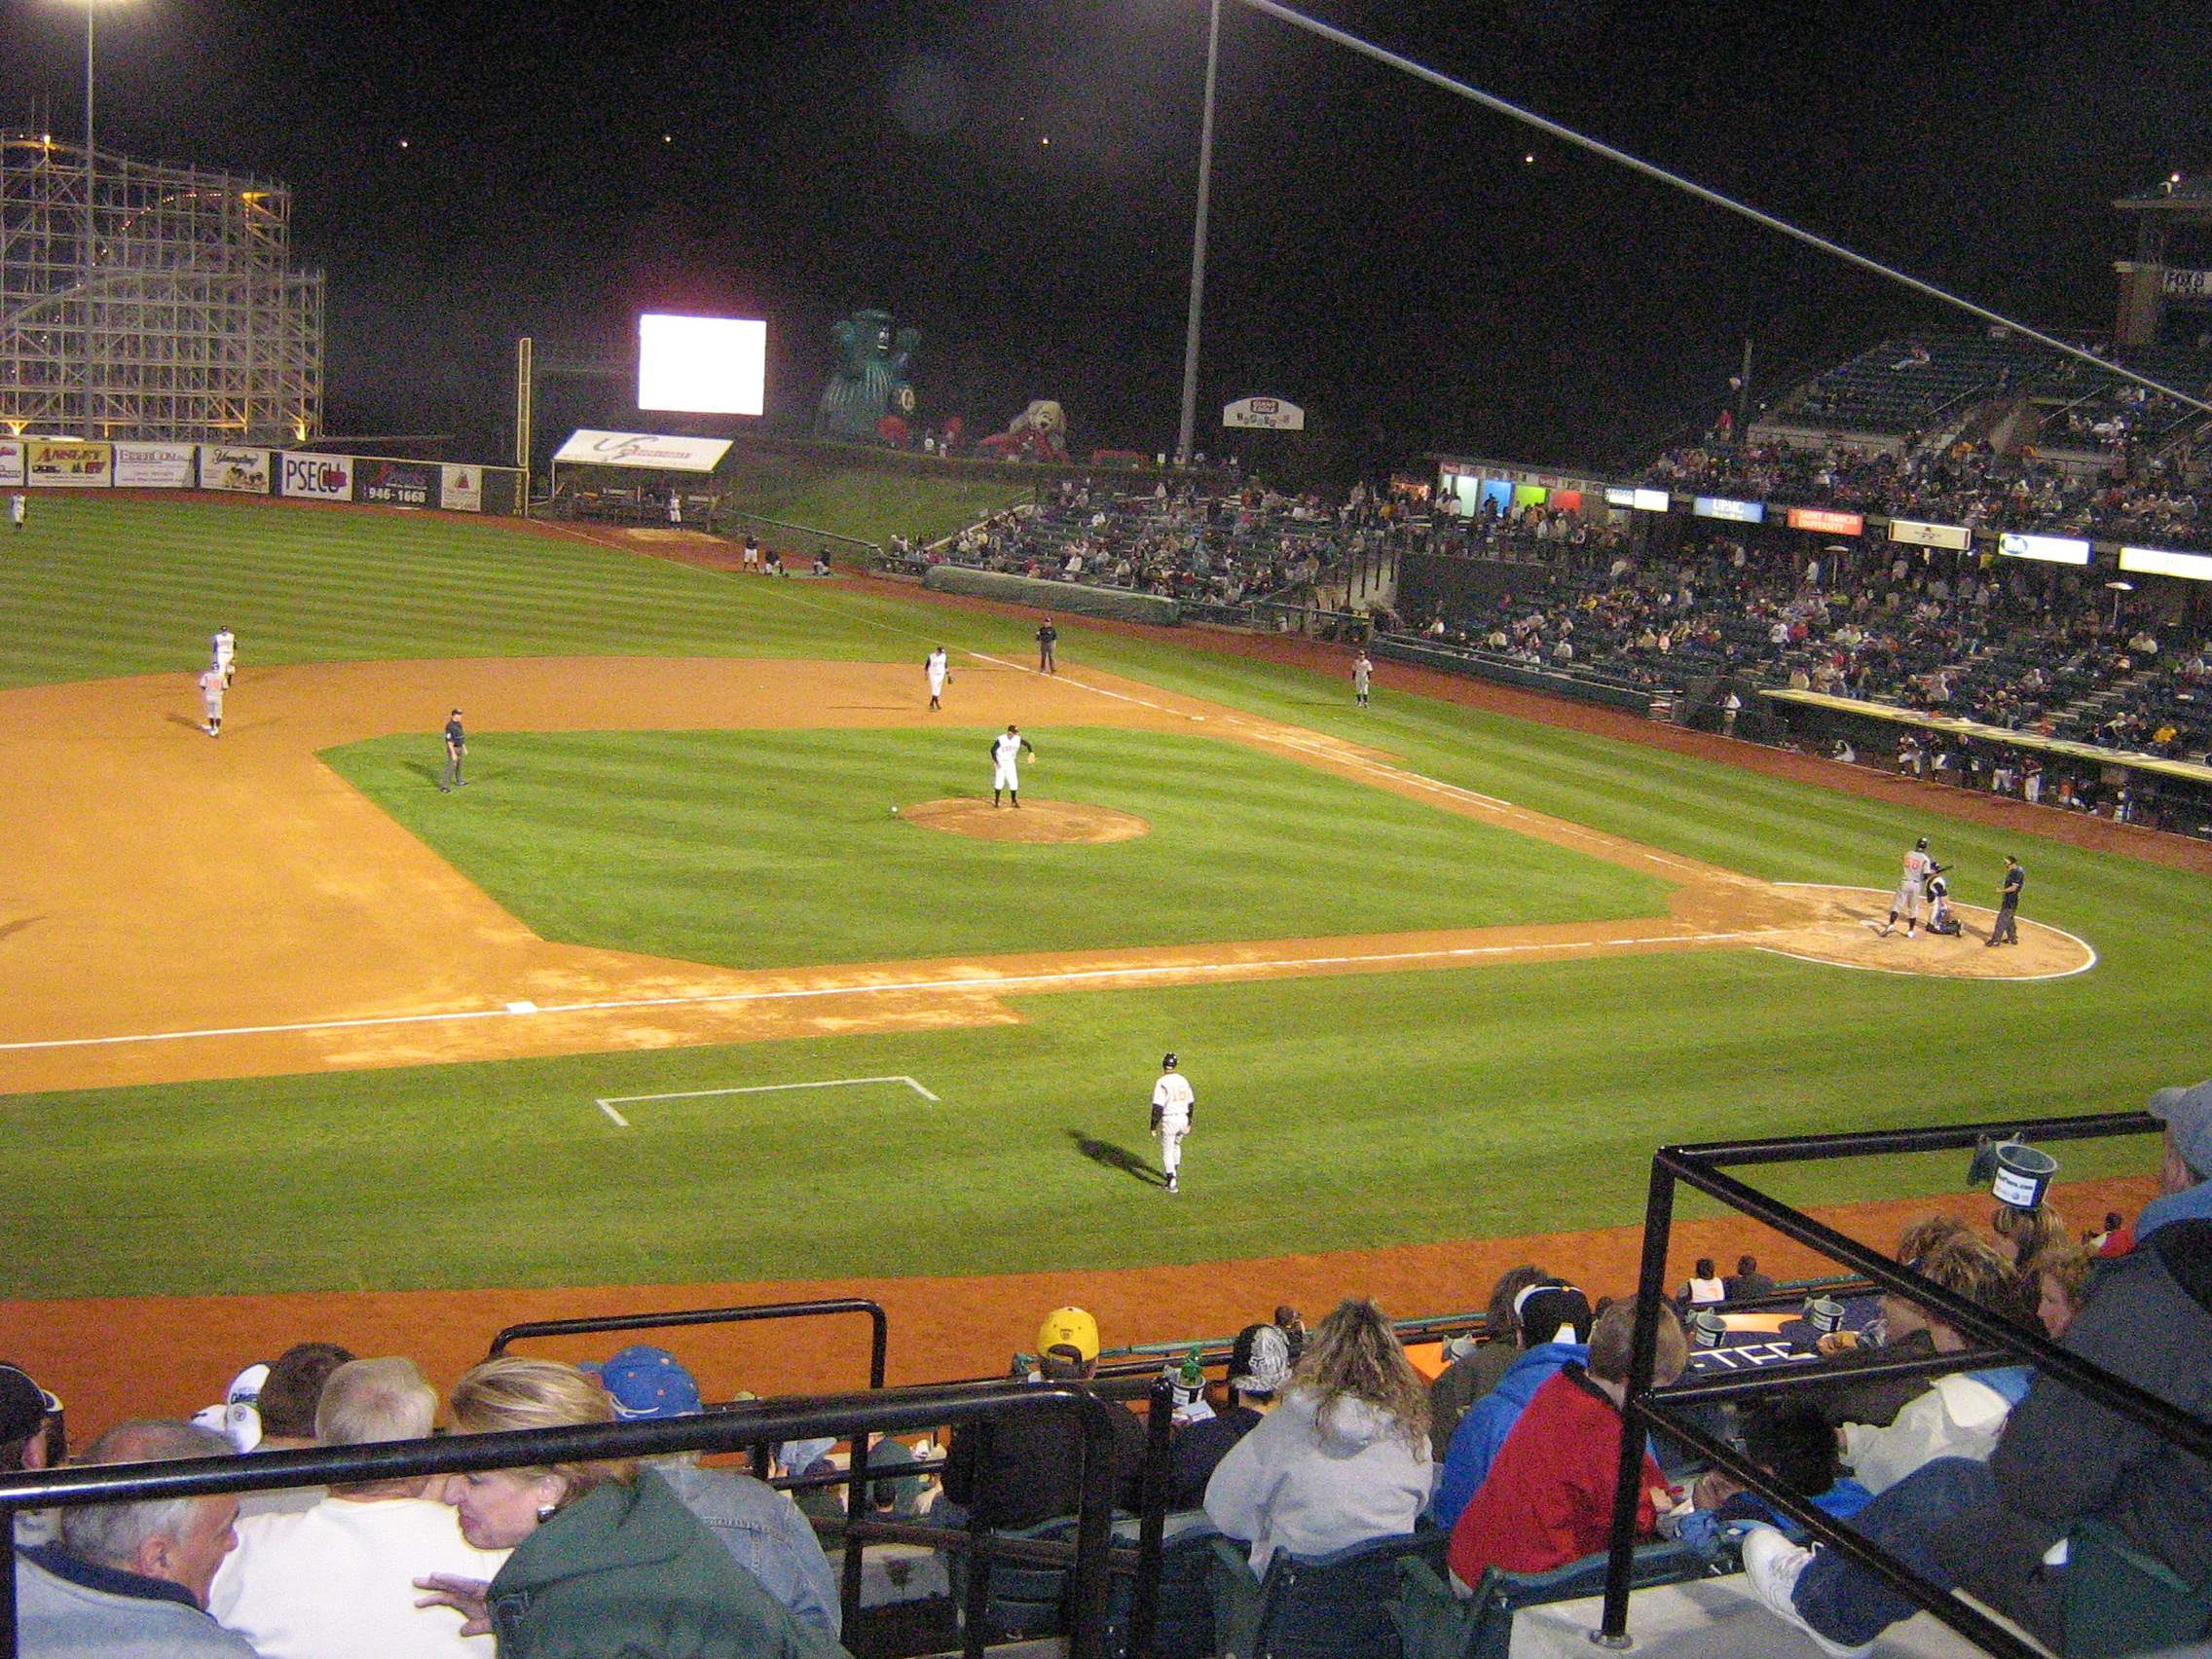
x=1384, y=254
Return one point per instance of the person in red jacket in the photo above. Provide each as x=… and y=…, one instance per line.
x=1549, y=1499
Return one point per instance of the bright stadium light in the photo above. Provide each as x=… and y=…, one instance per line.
x=702, y=365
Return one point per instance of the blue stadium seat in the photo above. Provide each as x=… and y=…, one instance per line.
x=1435, y=1622
x=2119, y=1600
x=1333, y=1607
x=1184, y=1628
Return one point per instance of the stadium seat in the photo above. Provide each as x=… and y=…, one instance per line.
x=1183, y=1627
x=1435, y=1622
x=2119, y=1600
x=1332, y=1607
x=1026, y=1597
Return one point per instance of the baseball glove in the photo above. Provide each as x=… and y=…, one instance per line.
x=1156, y=1115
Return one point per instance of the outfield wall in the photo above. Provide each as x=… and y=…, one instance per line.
x=1116, y=603
x=239, y=469
x=1454, y=660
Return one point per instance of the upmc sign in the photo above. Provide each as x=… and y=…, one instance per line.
x=319, y=477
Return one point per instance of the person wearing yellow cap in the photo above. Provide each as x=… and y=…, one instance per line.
x=1028, y=1469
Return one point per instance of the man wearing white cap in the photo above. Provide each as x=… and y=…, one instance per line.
x=1991, y=1527
x=1172, y=1105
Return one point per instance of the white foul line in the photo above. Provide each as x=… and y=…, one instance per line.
x=979, y=982
x=608, y=1104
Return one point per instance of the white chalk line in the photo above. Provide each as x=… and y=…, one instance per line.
x=985, y=983
x=608, y=1103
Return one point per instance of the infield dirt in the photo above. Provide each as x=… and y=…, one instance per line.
x=186, y=908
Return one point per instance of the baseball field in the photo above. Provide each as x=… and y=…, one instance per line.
x=719, y=971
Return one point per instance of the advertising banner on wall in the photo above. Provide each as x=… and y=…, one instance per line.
x=1952, y=536
x=11, y=462
x=1720, y=507
x=1266, y=414
x=317, y=477
x=1825, y=522
x=588, y=448
x=2051, y=549
x=226, y=466
x=66, y=463
x=154, y=467
x=396, y=483
x=461, y=489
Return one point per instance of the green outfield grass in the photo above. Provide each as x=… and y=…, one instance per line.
x=768, y=849
x=1335, y=1113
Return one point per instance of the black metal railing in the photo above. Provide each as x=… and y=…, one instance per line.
x=879, y=1348
x=853, y=1416
x=2003, y=1341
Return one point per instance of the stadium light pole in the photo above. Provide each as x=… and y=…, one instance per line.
x=1187, y=429
x=91, y=238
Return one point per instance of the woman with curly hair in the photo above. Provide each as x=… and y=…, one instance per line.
x=1344, y=1460
x=605, y=1558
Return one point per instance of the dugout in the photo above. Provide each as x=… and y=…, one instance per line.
x=637, y=478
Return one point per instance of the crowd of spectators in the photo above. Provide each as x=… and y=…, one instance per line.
x=2000, y=642
x=1199, y=548
x=1320, y=1442
x=1969, y=484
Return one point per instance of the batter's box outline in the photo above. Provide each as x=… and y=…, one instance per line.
x=608, y=1103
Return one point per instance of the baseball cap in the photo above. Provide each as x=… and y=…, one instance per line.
x=1260, y=1362
x=239, y=1414
x=1553, y=1314
x=1069, y=1327
x=2187, y=1114
x=23, y=1405
x=646, y=1382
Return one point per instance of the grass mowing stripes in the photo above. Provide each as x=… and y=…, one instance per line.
x=778, y=848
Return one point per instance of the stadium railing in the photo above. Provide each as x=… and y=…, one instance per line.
x=1667, y=1411
x=1090, y=1557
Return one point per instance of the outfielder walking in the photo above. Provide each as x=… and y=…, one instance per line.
x=1362, y=676
x=211, y=682
x=1172, y=1107
x=938, y=671
x=1911, y=900
x=1005, y=764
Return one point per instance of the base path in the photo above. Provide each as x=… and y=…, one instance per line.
x=127, y=1356
x=185, y=908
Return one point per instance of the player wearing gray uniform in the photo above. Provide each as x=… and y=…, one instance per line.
x=1911, y=900
x=212, y=681
x=1362, y=677
x=1005, y=764
x=1172, y=1106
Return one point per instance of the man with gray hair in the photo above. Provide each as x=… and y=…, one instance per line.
x=133, y=1577
x=337, y=1581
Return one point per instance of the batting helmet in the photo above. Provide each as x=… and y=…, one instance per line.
x=1168, y=1062
x=1921, y=845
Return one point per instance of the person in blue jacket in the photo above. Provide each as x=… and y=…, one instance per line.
x=1553, y=1324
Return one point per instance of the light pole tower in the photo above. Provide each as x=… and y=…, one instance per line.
x=1188, y=428
x=89, y=250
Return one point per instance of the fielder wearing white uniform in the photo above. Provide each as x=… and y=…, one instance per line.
x=212, y=696
x=1005, y=764
x=938, y=672
x=1172, y=1104
x=1911, y=900
x=224, y=646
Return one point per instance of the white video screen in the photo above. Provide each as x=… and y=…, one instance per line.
x=702, y=365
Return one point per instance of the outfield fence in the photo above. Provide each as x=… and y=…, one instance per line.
x=238, y=469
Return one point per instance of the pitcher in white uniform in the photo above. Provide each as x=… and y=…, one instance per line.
x=1005, y=764
x=938, y=672
x=1172, y=1105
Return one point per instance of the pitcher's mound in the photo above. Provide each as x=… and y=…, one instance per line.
x=1035, y=821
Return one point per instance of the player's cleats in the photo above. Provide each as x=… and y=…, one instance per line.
x=1172, y=1188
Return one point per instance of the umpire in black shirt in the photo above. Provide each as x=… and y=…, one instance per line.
x=2008, y=928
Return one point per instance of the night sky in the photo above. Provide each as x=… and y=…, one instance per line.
x=1388, y=256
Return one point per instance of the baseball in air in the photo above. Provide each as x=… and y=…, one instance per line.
x=894, y=812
